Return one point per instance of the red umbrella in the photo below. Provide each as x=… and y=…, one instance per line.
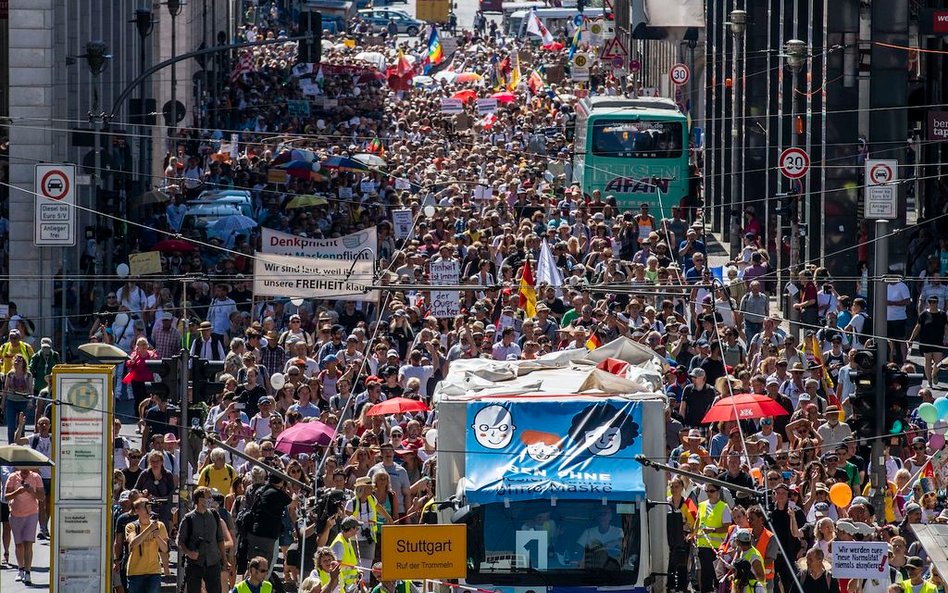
x=744, y=406
x=173, y=245
x=504, y=97
x=552, y=46
x=465, y=96
x=304, y=436
x=397, y=405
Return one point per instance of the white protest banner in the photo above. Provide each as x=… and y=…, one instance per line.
x=485, y=106
x=483, y=192
x=313, y=278
x=345, y=192
x=367, y=186
x=361, y=245
x=402, y=219
x=860, y=560
x=401, y=183
x=451, y=106
x=445, y=303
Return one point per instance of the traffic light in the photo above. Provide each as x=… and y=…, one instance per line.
x=167, y=371
x=204, y=383
x=311, y=26
x=863, y=400
x=896, y=401
x=788, y=205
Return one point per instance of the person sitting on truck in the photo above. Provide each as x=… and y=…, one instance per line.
x=601, y=544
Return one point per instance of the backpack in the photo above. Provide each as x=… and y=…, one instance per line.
x=244, y=518
x=866, y=332
x=230, y=474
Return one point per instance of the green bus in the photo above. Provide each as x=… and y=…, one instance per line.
x=633, y=149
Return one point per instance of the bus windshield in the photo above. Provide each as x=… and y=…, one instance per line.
x=576, y=542
x=637, y=139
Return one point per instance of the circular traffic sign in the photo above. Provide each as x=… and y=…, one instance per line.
x=617, y=61
x=679, y=74
x=580, y=60
x=54, y=185
x=881, y=173
x=794, y=162
x=634, y=66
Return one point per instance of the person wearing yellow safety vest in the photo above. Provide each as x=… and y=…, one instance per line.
x=345, y=552
x=390, y=586
x=916, y=582
x=326, y=571
x=744, y=580
x=256, y=577
x=714, y=518
x=765, y=543
x=747, y=551
x=366, y=508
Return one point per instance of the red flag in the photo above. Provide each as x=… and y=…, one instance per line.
x=243, y=66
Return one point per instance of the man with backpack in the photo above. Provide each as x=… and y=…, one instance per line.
x=201, y=541
x=266, y=521
x=860, y=326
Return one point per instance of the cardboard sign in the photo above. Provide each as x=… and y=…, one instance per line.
x=297, y=108
x=345, y=193
x=445, y=303
x=402, y=220
x=424, y=552
x=483, y=192
x=860, y=560
x=140, y=264
x=452, y=106
x=275, y=175
x=487, y=105
x=402, y=184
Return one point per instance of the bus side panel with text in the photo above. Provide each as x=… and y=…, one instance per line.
x=633, y=149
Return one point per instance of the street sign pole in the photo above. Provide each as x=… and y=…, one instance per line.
x=880, y=332
x=185, y=451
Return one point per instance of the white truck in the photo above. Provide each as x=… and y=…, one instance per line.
x=539, y=457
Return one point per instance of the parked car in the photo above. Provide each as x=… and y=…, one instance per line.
x=377, y=19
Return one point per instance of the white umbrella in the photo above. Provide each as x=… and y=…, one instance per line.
x=21, y=455
x=370, y=160
x=446, y=75
x=422, y=81
x=233, y=224
x=373, y=57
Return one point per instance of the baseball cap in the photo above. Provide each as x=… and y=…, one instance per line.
x=697, y=372
x=914, y=562
x=392, y=352
x=744, y=536
x=170, y=438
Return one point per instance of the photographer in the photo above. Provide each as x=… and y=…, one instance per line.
x=321, y=526
x=367, y=509
x=267, y=519
x=201, y=541
x=147, y=540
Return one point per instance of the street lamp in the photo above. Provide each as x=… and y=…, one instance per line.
x=174, y=9
x=97, y=59
x=738, y=25
x=795, y=54
x=144, y=24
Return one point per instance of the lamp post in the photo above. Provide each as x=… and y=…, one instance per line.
x=97, y=59
x=174, y=9
x=738, y=27
x=144, y=24
x=796, y=56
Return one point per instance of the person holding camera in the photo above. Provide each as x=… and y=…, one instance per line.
x=201, y=541
x=147, y=539
x=367, y=510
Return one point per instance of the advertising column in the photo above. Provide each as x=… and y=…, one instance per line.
x=83, y=479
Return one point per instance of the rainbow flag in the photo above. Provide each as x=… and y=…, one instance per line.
x=435, y=52
x=528, y=291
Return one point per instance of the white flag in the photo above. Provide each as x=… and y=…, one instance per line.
x=547, y=272
x=535, y=26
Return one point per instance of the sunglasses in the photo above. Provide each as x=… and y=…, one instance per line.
x=710, y=490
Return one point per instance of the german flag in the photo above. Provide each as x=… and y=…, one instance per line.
x=594, y=341
x=528, y=291
x=690, y=512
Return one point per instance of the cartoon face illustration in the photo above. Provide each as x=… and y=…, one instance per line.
x=604, y=441
x=603, y=430
x=493, y=427
x=541, y=446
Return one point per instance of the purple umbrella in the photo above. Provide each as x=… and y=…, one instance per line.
x=304, y=436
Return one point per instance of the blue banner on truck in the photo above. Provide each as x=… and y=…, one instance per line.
x=526, y=449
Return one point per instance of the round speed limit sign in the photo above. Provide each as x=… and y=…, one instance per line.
x=679, y=74
x=794, y=163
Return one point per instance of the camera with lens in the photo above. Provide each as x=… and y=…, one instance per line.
x=367, y=533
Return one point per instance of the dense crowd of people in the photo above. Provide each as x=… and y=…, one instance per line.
x=502, y=197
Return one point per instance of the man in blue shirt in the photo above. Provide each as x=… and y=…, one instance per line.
x=689, y=247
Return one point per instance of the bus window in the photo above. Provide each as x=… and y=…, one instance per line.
x=638, y=139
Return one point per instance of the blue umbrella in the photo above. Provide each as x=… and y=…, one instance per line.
x=233, y=224
x=343, y=164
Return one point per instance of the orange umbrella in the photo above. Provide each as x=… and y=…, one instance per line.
x=468, y=77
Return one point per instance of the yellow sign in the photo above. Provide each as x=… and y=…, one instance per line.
x=275, y=175
x=418, y=552
x=349, y=42
x=148, y=262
